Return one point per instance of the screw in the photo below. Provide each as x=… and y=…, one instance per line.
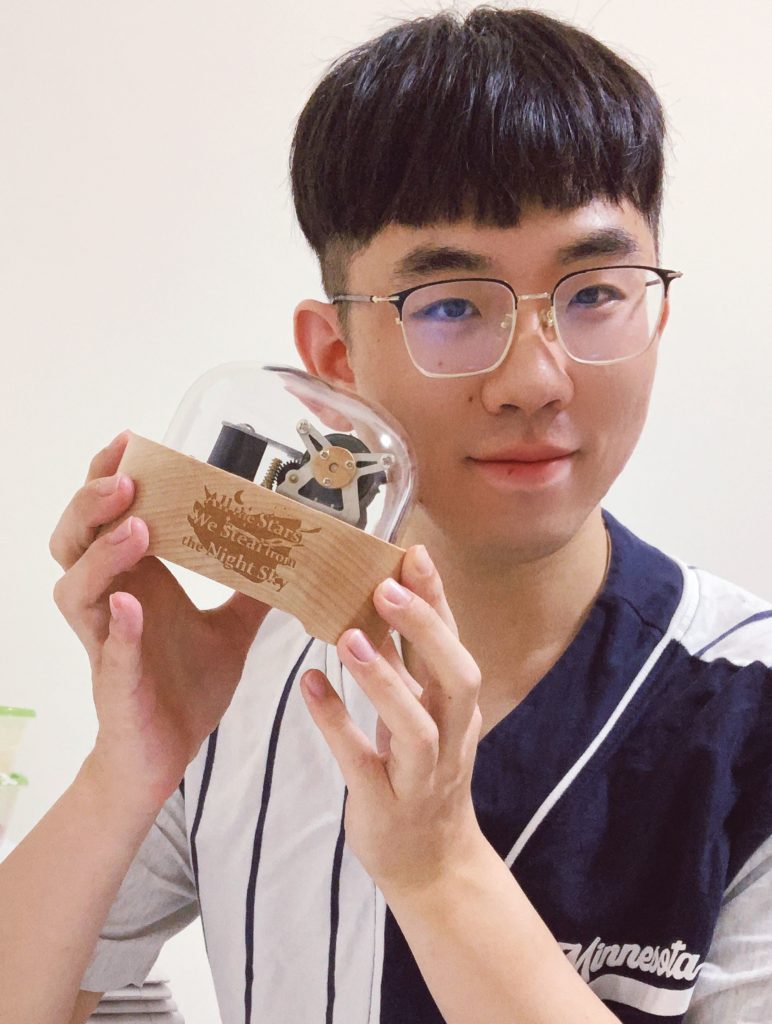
x=324, y=454
x=303, y=427
x=349, y=464
x=327, y=481
x=292, y=477
x=387, y=460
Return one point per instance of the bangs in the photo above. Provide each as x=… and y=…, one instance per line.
x=442, y=118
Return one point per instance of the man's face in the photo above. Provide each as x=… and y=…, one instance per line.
x=468, y=433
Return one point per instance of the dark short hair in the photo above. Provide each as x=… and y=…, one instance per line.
x=444, y=117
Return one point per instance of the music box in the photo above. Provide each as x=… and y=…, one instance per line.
x=281, y=486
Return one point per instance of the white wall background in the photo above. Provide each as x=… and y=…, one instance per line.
x=146, y=234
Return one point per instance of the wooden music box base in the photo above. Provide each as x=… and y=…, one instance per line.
x=252, y=539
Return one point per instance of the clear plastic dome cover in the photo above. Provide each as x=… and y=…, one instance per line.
x=287, y=430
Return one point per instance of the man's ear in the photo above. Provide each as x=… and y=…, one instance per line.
x=319, y=341
x=664, y=316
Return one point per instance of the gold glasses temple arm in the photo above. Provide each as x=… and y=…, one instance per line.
x=363, y=298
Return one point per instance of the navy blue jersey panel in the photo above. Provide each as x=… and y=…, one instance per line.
x=522, y=759
x=526, y=755
x=642, y=575
x=637, y=854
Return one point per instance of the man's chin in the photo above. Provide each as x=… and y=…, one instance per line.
x=499, y=540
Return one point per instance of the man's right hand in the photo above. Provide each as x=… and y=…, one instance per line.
x=163, y=672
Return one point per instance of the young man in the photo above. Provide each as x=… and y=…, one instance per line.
x=554, y=802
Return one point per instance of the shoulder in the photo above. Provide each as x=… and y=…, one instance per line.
x=720, y=663
x=710, y=618
x=717, y=669
x=728, y=623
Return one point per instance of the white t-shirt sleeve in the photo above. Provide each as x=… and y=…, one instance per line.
x=735, y=983
x=157, y=899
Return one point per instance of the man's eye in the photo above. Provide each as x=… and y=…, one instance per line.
x=448, y=309
x=596, y=295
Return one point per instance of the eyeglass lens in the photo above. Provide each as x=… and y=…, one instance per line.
x=465, y=326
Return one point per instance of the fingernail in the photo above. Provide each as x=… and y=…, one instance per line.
x=122, y=532
x=360, y=646
x=107, y=485
x=315, y=685
x=395, y=594
x=114, y=610
x=424, y=565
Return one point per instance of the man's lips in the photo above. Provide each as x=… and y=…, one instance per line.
x=536, y=453
x=524, y=467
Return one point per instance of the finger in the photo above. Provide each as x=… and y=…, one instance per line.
x=105, y=462
x=97, y=503
x=388, y=650
x=420, y=575
x=414, y=736
x=78, y=593
x=123, y=644
x=121, y=660
x=362, y=769
x=452, y=683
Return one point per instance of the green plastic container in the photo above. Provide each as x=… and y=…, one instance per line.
x=10, y=785
x=13, y=722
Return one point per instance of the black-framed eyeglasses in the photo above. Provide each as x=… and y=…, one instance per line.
x=465, y=326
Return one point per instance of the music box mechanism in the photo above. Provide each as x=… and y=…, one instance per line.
x=335, y=473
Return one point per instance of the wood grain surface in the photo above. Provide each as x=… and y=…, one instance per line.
x=305, y=562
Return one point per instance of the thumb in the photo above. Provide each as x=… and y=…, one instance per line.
x=122, y=651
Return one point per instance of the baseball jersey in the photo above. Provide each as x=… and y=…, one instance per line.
x=630, y=793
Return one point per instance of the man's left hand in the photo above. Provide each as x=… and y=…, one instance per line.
x=409, y=814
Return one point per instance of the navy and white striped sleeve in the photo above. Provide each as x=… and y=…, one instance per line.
x=156, y=900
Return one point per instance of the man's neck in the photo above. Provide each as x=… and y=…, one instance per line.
x=517, y=620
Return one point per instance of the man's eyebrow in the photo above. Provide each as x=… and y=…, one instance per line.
x=604, y=242
x=439, y=259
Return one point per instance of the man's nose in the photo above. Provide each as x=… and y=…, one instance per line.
x=534, y=372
